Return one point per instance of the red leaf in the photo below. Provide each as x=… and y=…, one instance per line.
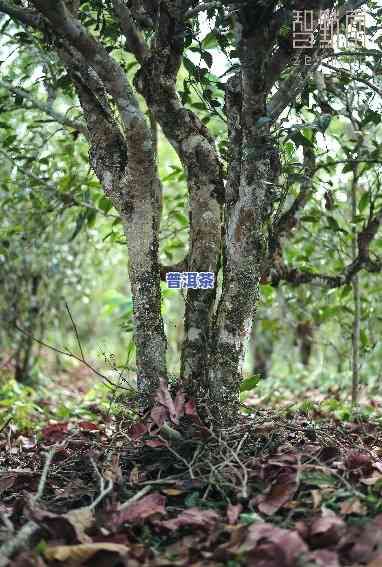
x=356, y=460
x=145, y=507
x=137, y=430
x=163, y=396
x=193, y=517
x=190, y=408
x=233, y=513
x=55, y=430
x=88, y=426
x=155, y=443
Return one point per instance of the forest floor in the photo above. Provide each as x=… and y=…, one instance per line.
x=300, y=489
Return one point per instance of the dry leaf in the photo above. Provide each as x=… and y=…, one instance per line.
x=280, y=494
x=78, y=554
x=316, y=497
x=145, y=507
x=353, y=506
x=233, y=513
x=82, y=519
x=193, y=517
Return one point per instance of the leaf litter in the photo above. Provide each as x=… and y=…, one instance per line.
x=276, y=490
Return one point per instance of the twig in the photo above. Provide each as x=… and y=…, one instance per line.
x=176, y=454
x=104, y=491
x=136, y=497
x=72, y=355
x=75, y=331
x=41, y=485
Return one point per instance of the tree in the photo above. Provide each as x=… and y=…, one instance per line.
x=241, y=203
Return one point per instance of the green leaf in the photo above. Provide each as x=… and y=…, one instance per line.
x=300, y=140
x=363, y=202
x=105, y=204
x=249, y=383
x=181, y=218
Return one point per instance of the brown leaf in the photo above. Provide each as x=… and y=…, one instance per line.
x=137, y=430
x=279, y=495
x=316, y=497
x=69, y=527
x=163, y=396
x=353, y=506
x=362, y=546
x=78, y=554
x=377, y=562
x=324, y=558
x=233, y=513
x=193, y=517
x=158, y=415
x=326, y=530
x=179, y=403
x=357, y=460
x=288, y=542
x=55, y=431
x=145, y=507
x=7, y=480
x=82, y=519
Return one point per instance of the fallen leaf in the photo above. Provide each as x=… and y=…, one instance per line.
x=7, y=480
x=158, y=415
x=69, y=527
x=87, y=425
x=190, y=408
x=233, y=513
x=373, y=479
x=179, y=403
x=323, y=558
x=144, y=508
x=362, y=546
x=353, y=506
x=286, y=543
x=316, y=497
x=137, y=430
x=377, y=562
x=280, y=494
x=78, y=554
x=326, y=530
x=163, y=396
x=357, y=460
x=155, y=443
x=172, y=491
x=55, y=431
x=193, y=517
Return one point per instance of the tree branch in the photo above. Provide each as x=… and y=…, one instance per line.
x=23, y=15
x=45, y=108
x=134, y=40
